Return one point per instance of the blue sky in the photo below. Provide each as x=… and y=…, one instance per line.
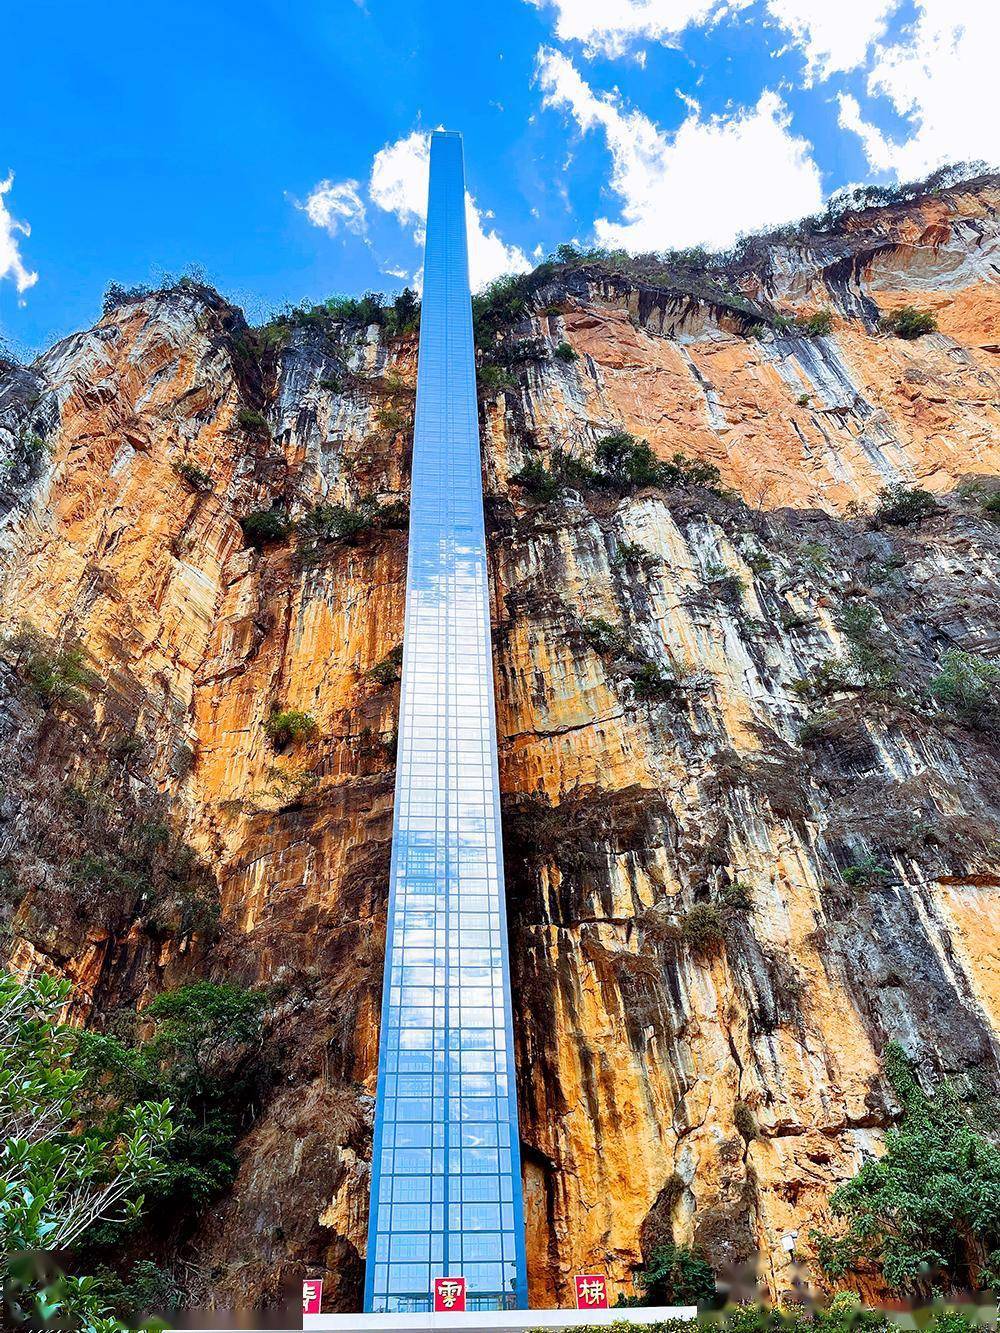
x=280, y=147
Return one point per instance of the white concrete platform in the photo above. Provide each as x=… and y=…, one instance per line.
x=496, y=1321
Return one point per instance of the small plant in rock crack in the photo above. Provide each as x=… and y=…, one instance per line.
x=264, y=526
x=702, y=929
x=631, y=553
x=865, y=873
x=196, y=477
x=288, y=726
x=602, y=636
x=967, y=683
x=251, y=421
x=564, y=352
x=387, y=672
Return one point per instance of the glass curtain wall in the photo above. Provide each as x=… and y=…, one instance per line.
x=446, y=1178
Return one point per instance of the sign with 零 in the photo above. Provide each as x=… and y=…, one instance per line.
x=449, y=1294
x=591, y=1291
x=312, y=1296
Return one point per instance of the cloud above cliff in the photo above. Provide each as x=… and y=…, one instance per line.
x=830, y=36
x=703, y=183
x=397, y=185
x=334, y=206
x=11, y=264
x=937, y=76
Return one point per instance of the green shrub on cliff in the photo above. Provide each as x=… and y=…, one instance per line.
x=264, y=526
x=55, y=675
x=927, y=1212
x=908, y=322
x=900, y=506
x=288, y=726
x=967, y=682
x=673, y=1275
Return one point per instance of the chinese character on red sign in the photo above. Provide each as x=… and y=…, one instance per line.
x=312, y=1296
x=591, y=1291
x=449, y=1294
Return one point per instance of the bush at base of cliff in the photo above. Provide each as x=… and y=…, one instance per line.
x=205, y=1056
x=673, y=1275
x=928, y=1211
x=845, y=1314
x=63, y=1168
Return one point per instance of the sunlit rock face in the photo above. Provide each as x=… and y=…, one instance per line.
x=726, y=794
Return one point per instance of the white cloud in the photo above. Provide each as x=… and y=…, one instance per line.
x=399, y=185
x=703, y=183
x=939, y=76
x=611, y=27
x=11, y=263
x=332, y=205
x=832, y=36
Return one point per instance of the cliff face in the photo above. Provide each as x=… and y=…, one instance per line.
x=703, y=995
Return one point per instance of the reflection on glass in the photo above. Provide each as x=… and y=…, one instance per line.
x=446, y=1177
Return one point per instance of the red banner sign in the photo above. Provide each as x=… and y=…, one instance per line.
x=449, y=1294
x=312, y=1296
x=591, y=1291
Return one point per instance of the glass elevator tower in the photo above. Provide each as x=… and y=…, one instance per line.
x=446, y=1173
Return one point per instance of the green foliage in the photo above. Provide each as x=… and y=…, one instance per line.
x=395, y=317
x=814, y=326
x=967, y=683
x=602, y=636
x=867, y=665
x=63, y=1171
x=495, y=380
x=117, y=295
x=991, y=506
x=253, y=422
x=899, y=506
x=332, y=384
x=147, y=1289
x=675, y=1275
x=865, y=873
x=703, y=929
x=627, y=463
x=57, y=677
x=326, y=522
x=632, y=553
x=265, y=525
x=391, y=419
x=928, y=1210
x=564, y=352
x=288, y=726
x=649, y=680
x=909, y=322
x=202, y=1050
x=737, y=896
x=803, y=400
x=196, y=477
x=387, y=672
x=538, y=481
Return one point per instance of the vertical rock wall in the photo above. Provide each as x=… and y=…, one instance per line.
x=712, y=1084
